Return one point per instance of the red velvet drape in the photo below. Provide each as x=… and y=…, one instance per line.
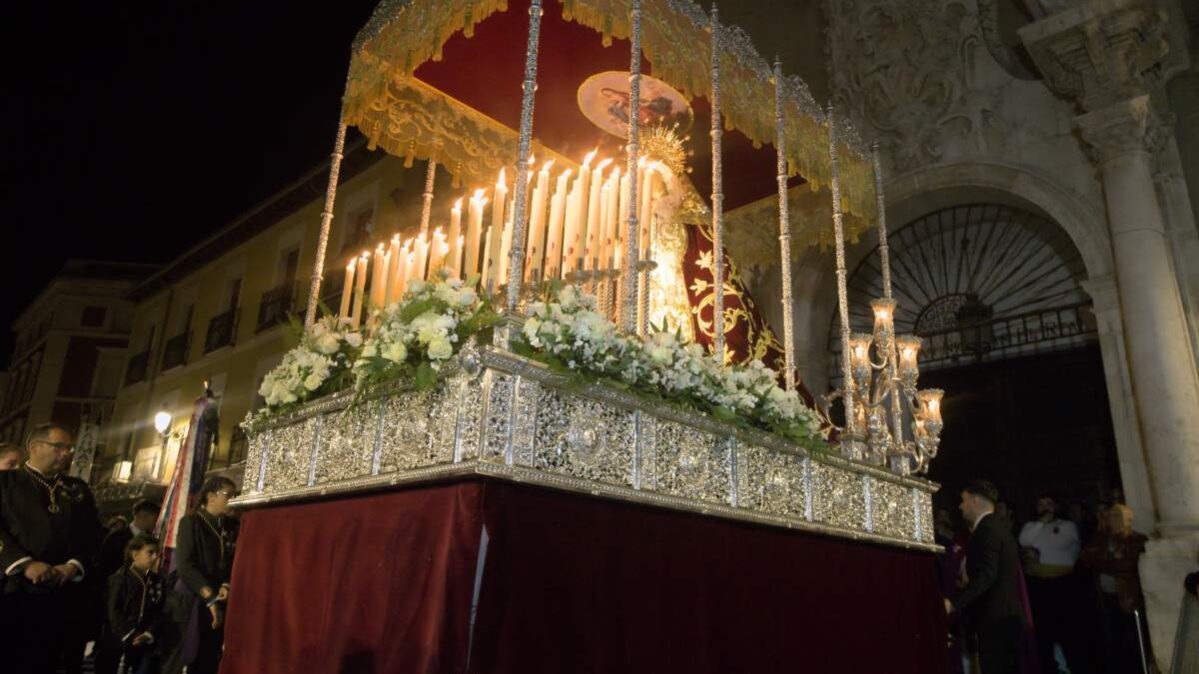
x=570, y=584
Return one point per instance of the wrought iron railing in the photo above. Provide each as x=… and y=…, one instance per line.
x=137, y=368
x=275, y=306
x=222, y=330
x=1012, y=335
x=174, y=352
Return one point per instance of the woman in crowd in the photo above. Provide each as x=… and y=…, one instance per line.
x=1113, y=555
x=203, y=559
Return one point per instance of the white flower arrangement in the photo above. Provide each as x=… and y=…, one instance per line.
x=315, y=367
x=569, y=333
x=417, y=335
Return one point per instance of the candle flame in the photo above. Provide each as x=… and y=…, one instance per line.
x=353, y=263
x=566, y=173
x=478, y=195
x=500, y=182
x=641, y=162
x=395, y=240
x=547, y=166
x=532, y=158
x=458, y=205
x=603, y=164
x=590, y=155
x=379, y=249
x=365, y=254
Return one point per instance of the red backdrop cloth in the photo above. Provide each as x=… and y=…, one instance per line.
x=373, y=584
x=571, y=584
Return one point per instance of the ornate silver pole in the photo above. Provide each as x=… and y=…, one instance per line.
x=847, y=384
x=427, y=207
x=629, y=281
x=885, y=260
x=784, y=228
x=717, y=200
x=322, y=241
x=520, y=210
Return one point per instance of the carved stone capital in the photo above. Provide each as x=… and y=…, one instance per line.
x=1122, y=128
x=1098, y=53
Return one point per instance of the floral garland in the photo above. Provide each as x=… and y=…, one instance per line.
x=319, y=365
x=567, y=333
x=410, y=339
x=416, y=336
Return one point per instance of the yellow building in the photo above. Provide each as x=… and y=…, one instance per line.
x=220, y=312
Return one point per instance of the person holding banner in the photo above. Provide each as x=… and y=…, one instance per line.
x=204, y=547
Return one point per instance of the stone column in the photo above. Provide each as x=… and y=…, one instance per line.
x=1124, y=135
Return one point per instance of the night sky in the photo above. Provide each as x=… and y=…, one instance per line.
x=133, y=130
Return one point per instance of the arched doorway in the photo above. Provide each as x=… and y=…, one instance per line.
x=995, y=292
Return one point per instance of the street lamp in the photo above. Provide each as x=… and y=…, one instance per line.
x=162, y=422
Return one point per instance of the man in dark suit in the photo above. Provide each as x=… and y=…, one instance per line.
x=112, y=551
x=49, y=534
x=990, y=600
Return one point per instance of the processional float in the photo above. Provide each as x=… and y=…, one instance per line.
x=555, y=202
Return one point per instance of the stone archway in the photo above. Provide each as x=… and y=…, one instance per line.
x=916, y=193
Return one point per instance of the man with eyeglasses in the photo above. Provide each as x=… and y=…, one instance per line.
x=49, y=534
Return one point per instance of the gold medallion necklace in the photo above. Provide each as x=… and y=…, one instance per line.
x=51, y=487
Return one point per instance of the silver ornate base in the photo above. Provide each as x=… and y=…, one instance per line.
x=499, y=415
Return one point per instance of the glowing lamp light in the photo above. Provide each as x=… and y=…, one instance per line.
x=930, y=406
x=162, y=421
x=884, y=321
x=908, y=347
x=859, y=349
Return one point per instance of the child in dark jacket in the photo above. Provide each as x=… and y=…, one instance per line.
x=133, y=612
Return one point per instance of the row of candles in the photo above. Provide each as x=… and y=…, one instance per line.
x=578, y=226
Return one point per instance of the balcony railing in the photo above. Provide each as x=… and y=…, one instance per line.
x=1033, y=332
x=138, y=367
x=276, y=306
x=222, y=330
x=174, y=352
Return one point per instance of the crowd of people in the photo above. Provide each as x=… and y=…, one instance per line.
x=71, y=587
x=1058, y=594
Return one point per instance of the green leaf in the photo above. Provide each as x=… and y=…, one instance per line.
x=425, y=377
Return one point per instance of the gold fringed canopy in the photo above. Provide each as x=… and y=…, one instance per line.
x=409, y=118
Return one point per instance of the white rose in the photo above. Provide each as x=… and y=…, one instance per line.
x=327, y=343
x=440, y=349
x=396, y=352
x=313, y=382
x=661, y=355
x=416, y=287
x=467, y=297
x=354, y=339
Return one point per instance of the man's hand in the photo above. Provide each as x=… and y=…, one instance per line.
x=65, y=573
x=223, y=593
x=217, y=618
x=948, y=607
x=40, y=573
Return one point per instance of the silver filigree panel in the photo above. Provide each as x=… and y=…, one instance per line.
x=497, y=425
x=347, y=443
x=893, y=514
x=291, y=455
x=525, y=421
x=586, y=439
x=693, y=464
x=770, y=482
x=838, y=497
x=256, y=461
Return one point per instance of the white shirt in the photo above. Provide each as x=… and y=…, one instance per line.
x=1057, y=541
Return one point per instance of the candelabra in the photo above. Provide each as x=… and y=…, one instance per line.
x=888, y=421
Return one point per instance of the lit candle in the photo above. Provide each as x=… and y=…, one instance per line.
x=622, y=218
x=859, y=361
x=505, y=253
x=474, y=233
x=457, y=261
x=534, y=251
x=401, y=273
x=884, y=322
x=553, y=245
x=646, y=214
x=576, y=218
x=453, y=236
x=347, y=290
x=488, y=266
x=595, y=215
x=611, y=205
x=359, y=289
x=437, y=251
x=392, y=268
x=378, y=278
x=420, y=251
x=491, y=261
x=909, y=351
